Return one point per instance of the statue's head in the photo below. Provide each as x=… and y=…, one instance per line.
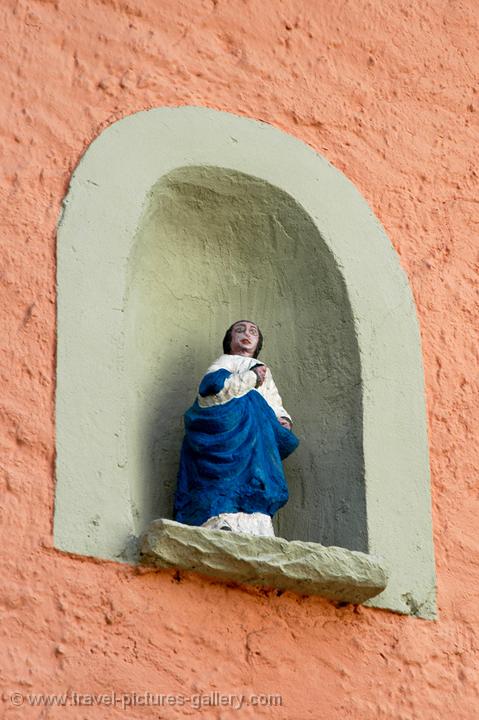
x=243, y=338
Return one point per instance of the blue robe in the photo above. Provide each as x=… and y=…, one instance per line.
x=231, y=457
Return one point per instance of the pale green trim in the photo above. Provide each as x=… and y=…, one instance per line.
x=102, y=212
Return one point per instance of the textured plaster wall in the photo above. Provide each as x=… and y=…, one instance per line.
x=385, y=91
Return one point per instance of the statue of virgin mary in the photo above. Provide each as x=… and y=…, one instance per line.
x=237, y=433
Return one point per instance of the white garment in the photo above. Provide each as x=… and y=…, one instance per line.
x=248, y=523
x=242, y=380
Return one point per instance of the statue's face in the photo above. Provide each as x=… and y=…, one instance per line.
x=244, y=339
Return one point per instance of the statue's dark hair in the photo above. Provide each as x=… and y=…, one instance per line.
x=227, y=339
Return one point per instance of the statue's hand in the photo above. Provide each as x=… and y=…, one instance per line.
x=260, y=372
x=285, y=422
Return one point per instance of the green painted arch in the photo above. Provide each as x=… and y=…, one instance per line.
x=104, y=237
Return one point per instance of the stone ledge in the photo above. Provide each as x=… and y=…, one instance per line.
x=302, y=567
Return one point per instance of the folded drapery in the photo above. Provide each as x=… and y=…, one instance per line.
x=231, y=459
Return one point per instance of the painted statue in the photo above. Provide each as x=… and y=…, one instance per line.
x=237, y=432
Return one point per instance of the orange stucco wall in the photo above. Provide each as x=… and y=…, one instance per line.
x=385, y=91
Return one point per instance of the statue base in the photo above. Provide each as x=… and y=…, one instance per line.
x=301, y=567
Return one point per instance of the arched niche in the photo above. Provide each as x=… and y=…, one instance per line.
x=215, y=245
x=142, y=188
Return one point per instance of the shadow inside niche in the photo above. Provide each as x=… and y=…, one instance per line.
x=215, y=246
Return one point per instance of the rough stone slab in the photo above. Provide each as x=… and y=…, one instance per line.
x=306, y=568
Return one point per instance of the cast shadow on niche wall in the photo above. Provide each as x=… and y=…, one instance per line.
x=215, y=245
